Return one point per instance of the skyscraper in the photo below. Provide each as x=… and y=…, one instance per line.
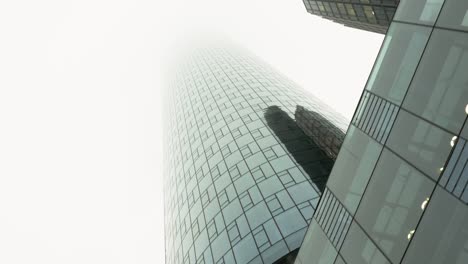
x=398, y=192
x=370, y=15
x=242, y=180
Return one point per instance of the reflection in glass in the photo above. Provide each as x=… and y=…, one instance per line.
x=353, y=168
x=397, y=61
x=390, y=207
x=453, y=141
x=310, y=156
x=423, y=145
x=420, y=11
x=454, y=15
x=322, y=131
x=439, y=90
x=424, y=203
x=442, y=235
x=316, y=248
x=358, y=248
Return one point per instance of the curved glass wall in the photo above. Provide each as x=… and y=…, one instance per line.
x=242, y=180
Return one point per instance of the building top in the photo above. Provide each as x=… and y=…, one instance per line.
x=370, y=15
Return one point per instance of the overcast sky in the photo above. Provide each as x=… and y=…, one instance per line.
x=80, y=116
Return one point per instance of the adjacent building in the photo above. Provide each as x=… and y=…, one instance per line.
x=370, y=15
x=242, y=180
x=398, y=190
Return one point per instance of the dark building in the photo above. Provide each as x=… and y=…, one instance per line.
x=398, y=192
x=323, y=132
x=241, y=179
x=302, y=148
x=370, y=15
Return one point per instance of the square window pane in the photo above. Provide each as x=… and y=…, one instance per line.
x=397, y=61
x=391, y=206
x=454, y=14
x=442, y=236
x=316, y=248
x=358, y=248
x=420, y=11
x=423, y=145
x=353, y=168
x=439, y=91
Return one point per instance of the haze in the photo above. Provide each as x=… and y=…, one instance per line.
x=80, y=115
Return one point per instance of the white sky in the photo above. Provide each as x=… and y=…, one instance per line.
x=80, y=115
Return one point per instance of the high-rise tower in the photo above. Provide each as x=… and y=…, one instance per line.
x=242, y=180
x=398, y=192
x=370, y=15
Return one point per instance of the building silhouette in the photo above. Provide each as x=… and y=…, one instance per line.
x=239, y=188
x=370, y=15
x=398, y=192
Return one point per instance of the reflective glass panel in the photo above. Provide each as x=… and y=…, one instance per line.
x=316, y=248
x=339, y=260
x=359, y=249
x=353, y=168
x=420, y=11
x=391, y=206
x=420, y=143
x=397, y=61
x=454, y=14
x=439, y=91
x=442, y=236
x=464, y=132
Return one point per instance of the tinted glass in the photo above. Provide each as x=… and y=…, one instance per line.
x=464, y=132
x=316, y=248
x=420, y=11
x=359, y=249
x=439, y=91
x=353, y=168
x=454, y=14
x=442, y=236
x=397, y=60
x=391, y=206
x=339, y=260
x=420, y=143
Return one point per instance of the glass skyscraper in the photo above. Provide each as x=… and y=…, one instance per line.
x=242, y=180
x=398, y=192
x=370, y=15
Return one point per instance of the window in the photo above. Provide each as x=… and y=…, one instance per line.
x=397, y=61
x=423, y=145
x=316, y=248
x=391, y=205
x=353, y=168
x=442, y=236
x=439, y=91
x=358, y=248
x=454, y=15
x=421, y=11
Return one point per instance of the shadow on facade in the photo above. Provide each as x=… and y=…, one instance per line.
x=307, y=154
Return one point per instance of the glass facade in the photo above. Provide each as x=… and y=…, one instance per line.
x=370, y=15
x=398, y=192
x=242, y=179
